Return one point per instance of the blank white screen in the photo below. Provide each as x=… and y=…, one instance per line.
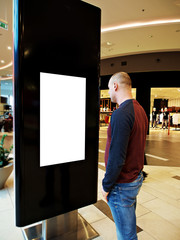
x=62, y=118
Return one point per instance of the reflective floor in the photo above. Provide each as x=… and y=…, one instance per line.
x=161, y=149
x=158, y=208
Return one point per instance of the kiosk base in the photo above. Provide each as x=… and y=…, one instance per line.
x=69, y=226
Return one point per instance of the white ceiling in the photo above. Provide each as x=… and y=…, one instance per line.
x=154, y=38
x=164, y=37
x=6, y=38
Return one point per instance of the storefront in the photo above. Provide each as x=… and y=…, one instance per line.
x=144, y=82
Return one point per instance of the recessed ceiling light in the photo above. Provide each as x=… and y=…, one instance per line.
x=9, y=48
x=2, y=61
x=109, y=43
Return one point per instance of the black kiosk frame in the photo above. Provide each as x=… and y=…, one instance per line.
x=61, y=38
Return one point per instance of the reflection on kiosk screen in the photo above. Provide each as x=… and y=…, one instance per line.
x=62, y=118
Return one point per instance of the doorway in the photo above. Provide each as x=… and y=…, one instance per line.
x=162, y=145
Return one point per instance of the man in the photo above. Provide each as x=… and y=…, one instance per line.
x=165, y=118
x=124, y=156
x=154, y=116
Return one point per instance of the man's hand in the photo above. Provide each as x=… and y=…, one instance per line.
x=105, y=194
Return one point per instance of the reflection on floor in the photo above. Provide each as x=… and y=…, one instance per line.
x=161, y=149
x=158, y=208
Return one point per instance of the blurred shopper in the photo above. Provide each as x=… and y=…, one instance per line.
x=154, y=116
x=8, y=125
x=124, y=156
x=165, y=118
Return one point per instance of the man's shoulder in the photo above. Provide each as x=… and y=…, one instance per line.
x=121, y=111
x=137, y=105
x=124, y=112
x=127, y=107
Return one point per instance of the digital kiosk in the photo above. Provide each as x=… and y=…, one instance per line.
x=56, y=89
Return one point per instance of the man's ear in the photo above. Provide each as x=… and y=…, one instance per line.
x=115, y=86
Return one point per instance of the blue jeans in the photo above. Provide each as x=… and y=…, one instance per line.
x=122, y=202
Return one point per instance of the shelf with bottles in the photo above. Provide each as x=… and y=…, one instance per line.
x=106, y=106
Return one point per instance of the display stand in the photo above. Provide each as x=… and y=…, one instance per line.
x=69, y=226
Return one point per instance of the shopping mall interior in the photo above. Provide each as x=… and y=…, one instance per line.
x=143, y=39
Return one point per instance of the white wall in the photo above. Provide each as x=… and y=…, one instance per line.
x=164, y=61
x=174, y=102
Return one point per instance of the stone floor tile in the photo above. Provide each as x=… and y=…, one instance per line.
x=158, y=227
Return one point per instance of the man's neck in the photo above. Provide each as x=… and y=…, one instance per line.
x=123, y=97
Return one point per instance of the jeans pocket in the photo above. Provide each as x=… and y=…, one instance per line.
x=128, y=196
x=124, y=194
x=113, y=195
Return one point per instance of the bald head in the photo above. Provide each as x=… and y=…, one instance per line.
x=121, y=78
x=120, y=87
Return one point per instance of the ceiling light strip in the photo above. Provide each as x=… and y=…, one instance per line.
x=6, y=66
x=5, y=78
x=141, y=24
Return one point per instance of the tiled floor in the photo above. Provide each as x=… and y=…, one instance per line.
x=158, y=208
x=165, y=146
x=161, y=149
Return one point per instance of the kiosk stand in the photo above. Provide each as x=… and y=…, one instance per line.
x=56, y=72
x=68, y=226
